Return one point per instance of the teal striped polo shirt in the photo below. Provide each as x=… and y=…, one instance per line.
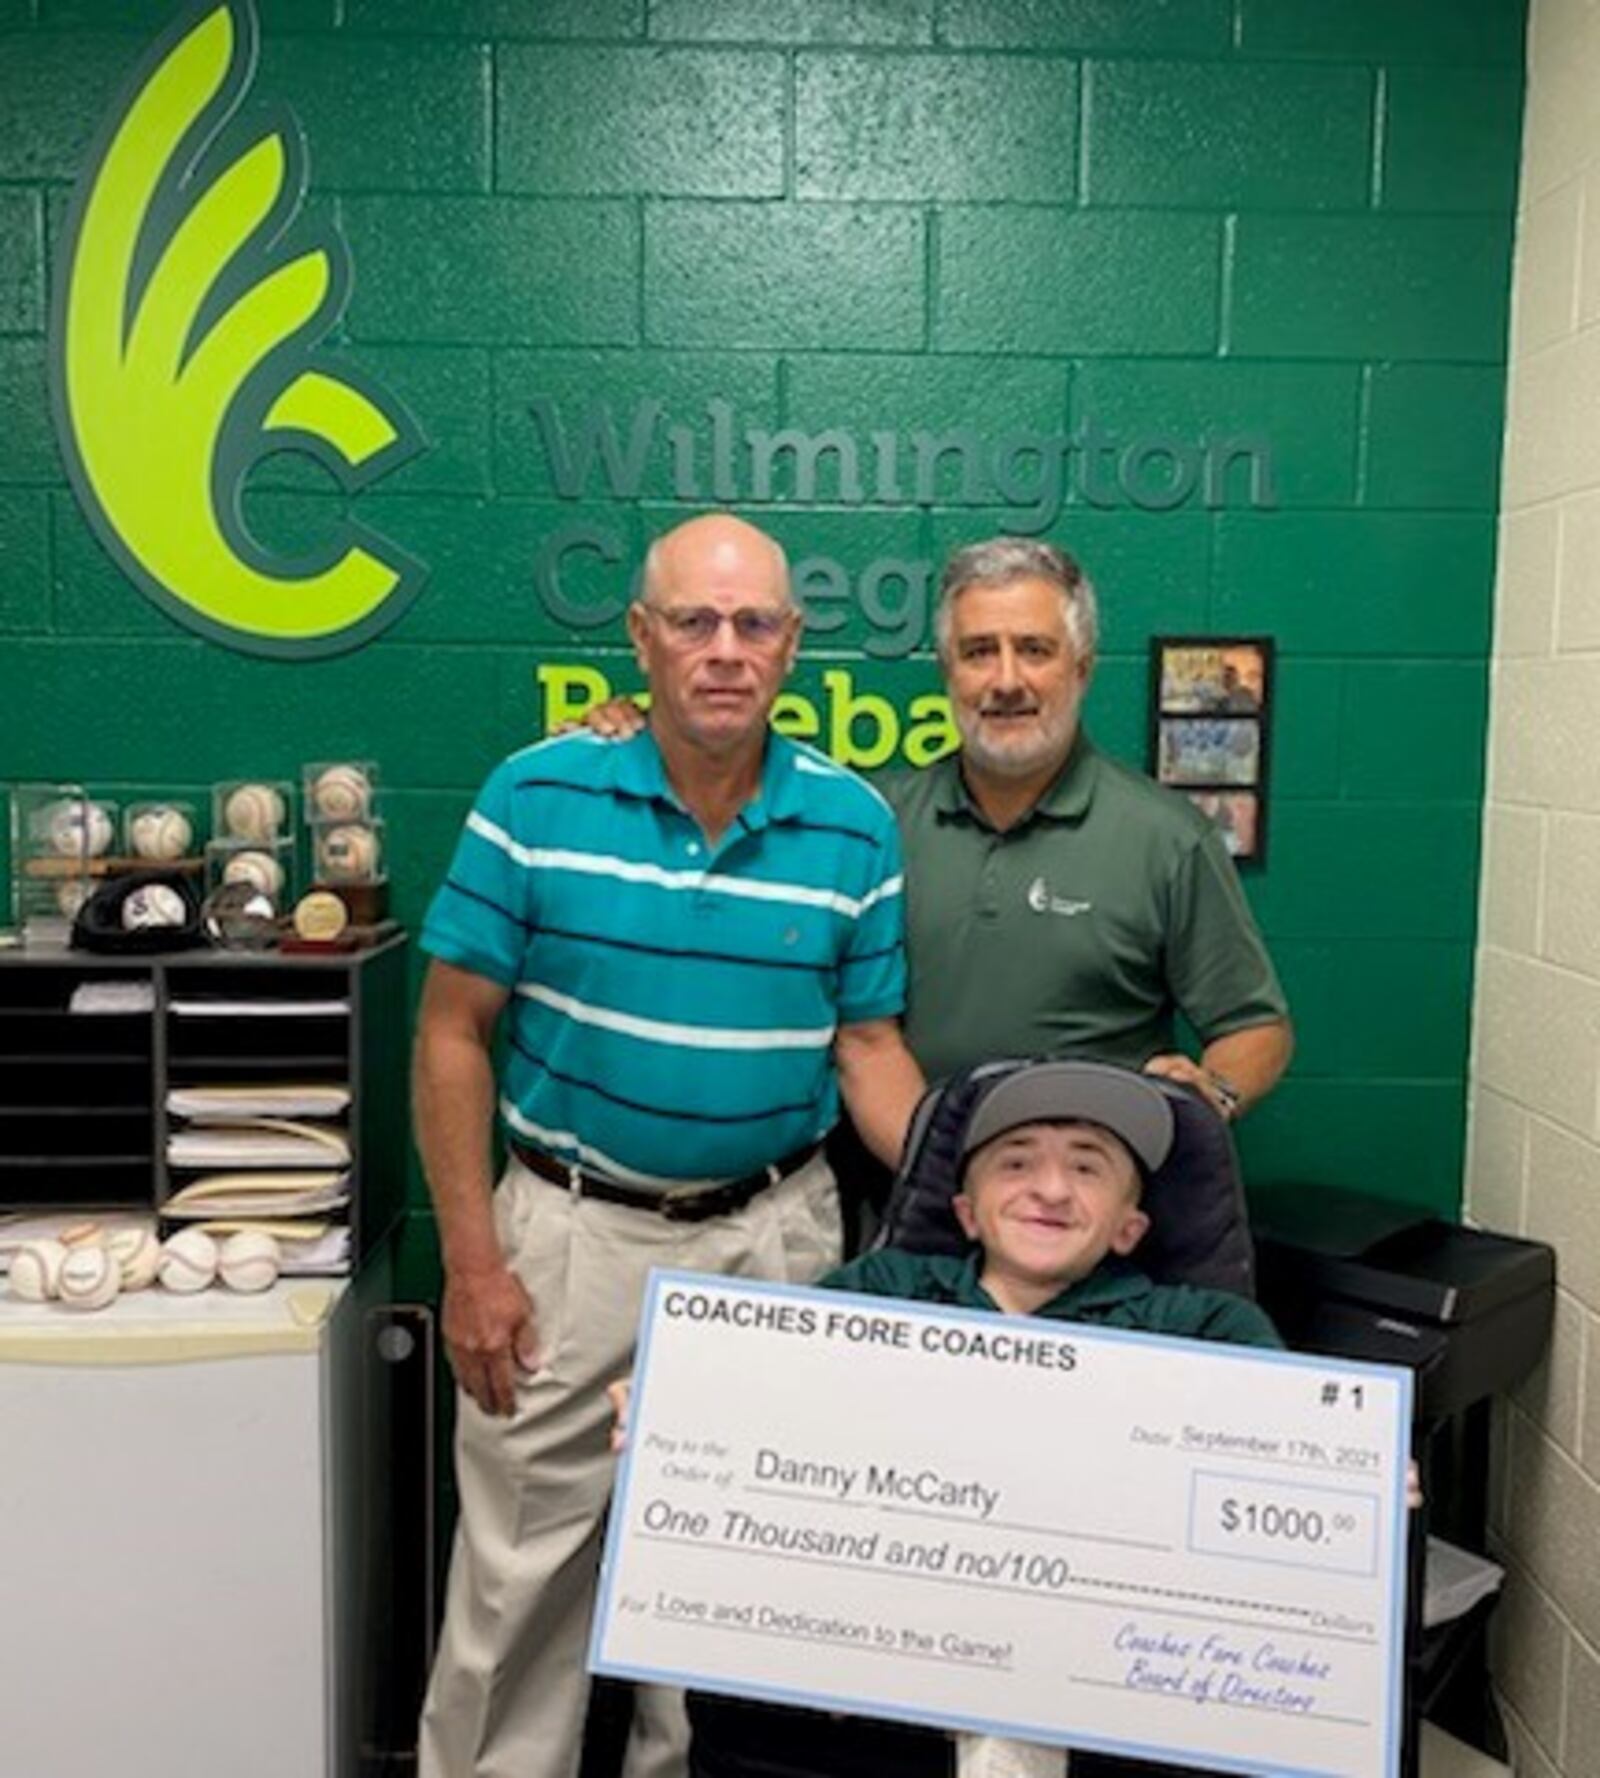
x=673, y=1005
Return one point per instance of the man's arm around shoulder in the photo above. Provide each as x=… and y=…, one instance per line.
x=487, y=1318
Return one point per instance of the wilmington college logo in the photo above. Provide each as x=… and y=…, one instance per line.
x=187, y=306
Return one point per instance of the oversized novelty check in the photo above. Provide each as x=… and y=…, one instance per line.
x=1026, y=1528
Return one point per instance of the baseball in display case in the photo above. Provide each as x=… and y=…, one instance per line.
x=340, y=790
x=160, y=832
x=253, y=809
x=347, y=852
x=264, y=865
x=60, y=841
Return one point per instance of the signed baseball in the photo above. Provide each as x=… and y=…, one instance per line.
x=341, y=793
x=259, y=870
x=348, y=854
x=156, y=904
x=188, y=1262
x=254, y=812
x=78, y=829
x=36, y=1271
x=160, y=834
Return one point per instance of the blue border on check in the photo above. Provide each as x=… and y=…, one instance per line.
x=661, y=1279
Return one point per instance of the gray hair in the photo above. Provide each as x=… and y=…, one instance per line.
x=1000, y=561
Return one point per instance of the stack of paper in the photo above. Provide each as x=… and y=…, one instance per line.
x=113, y=997
x=297, y=1180
x=226, y=1103
x=257, y=1195
x=257, y=1142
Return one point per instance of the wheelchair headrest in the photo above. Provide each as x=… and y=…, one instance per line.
x=1199, y=1233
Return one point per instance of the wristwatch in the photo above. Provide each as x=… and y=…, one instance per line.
x=1225, y=1091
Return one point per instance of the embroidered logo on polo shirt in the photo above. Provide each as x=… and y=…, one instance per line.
x=1043, y=902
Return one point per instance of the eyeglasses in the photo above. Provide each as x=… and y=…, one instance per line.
x=694, y=626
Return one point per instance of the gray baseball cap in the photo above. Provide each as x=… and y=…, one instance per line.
x=1131, y=1106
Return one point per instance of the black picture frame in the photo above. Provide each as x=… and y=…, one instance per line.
x=1210, y=735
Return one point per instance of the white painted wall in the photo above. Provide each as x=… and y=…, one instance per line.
x=1533, y=1162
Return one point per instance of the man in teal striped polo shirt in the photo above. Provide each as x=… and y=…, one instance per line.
x=695, y=943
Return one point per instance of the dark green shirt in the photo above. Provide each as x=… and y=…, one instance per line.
x=1115, y=1294
x=1083, y=930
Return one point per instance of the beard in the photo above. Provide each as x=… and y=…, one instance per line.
x=1037, y=746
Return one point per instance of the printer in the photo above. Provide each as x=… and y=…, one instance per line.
x=1362, y=1277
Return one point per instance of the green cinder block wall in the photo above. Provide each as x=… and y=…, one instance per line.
x=1287, y=218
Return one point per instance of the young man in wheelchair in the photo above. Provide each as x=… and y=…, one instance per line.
x=1050, y=1161
x=1053, y=1163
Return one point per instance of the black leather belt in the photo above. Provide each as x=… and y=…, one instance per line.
x=695, y=1203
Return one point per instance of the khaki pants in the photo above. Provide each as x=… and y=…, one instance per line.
x=508, y=1691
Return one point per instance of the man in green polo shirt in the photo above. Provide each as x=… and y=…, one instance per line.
x=1058, y=903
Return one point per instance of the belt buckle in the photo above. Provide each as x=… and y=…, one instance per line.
x=677, y=1203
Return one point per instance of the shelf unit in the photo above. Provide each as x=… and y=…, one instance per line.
x=83, y=1119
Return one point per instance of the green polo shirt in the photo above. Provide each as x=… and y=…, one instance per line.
x=1083, y=930
x=1115, y=1294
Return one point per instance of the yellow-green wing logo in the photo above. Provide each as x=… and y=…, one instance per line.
x=183, y=326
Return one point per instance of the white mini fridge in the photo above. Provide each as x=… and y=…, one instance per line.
x=180, y=1534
